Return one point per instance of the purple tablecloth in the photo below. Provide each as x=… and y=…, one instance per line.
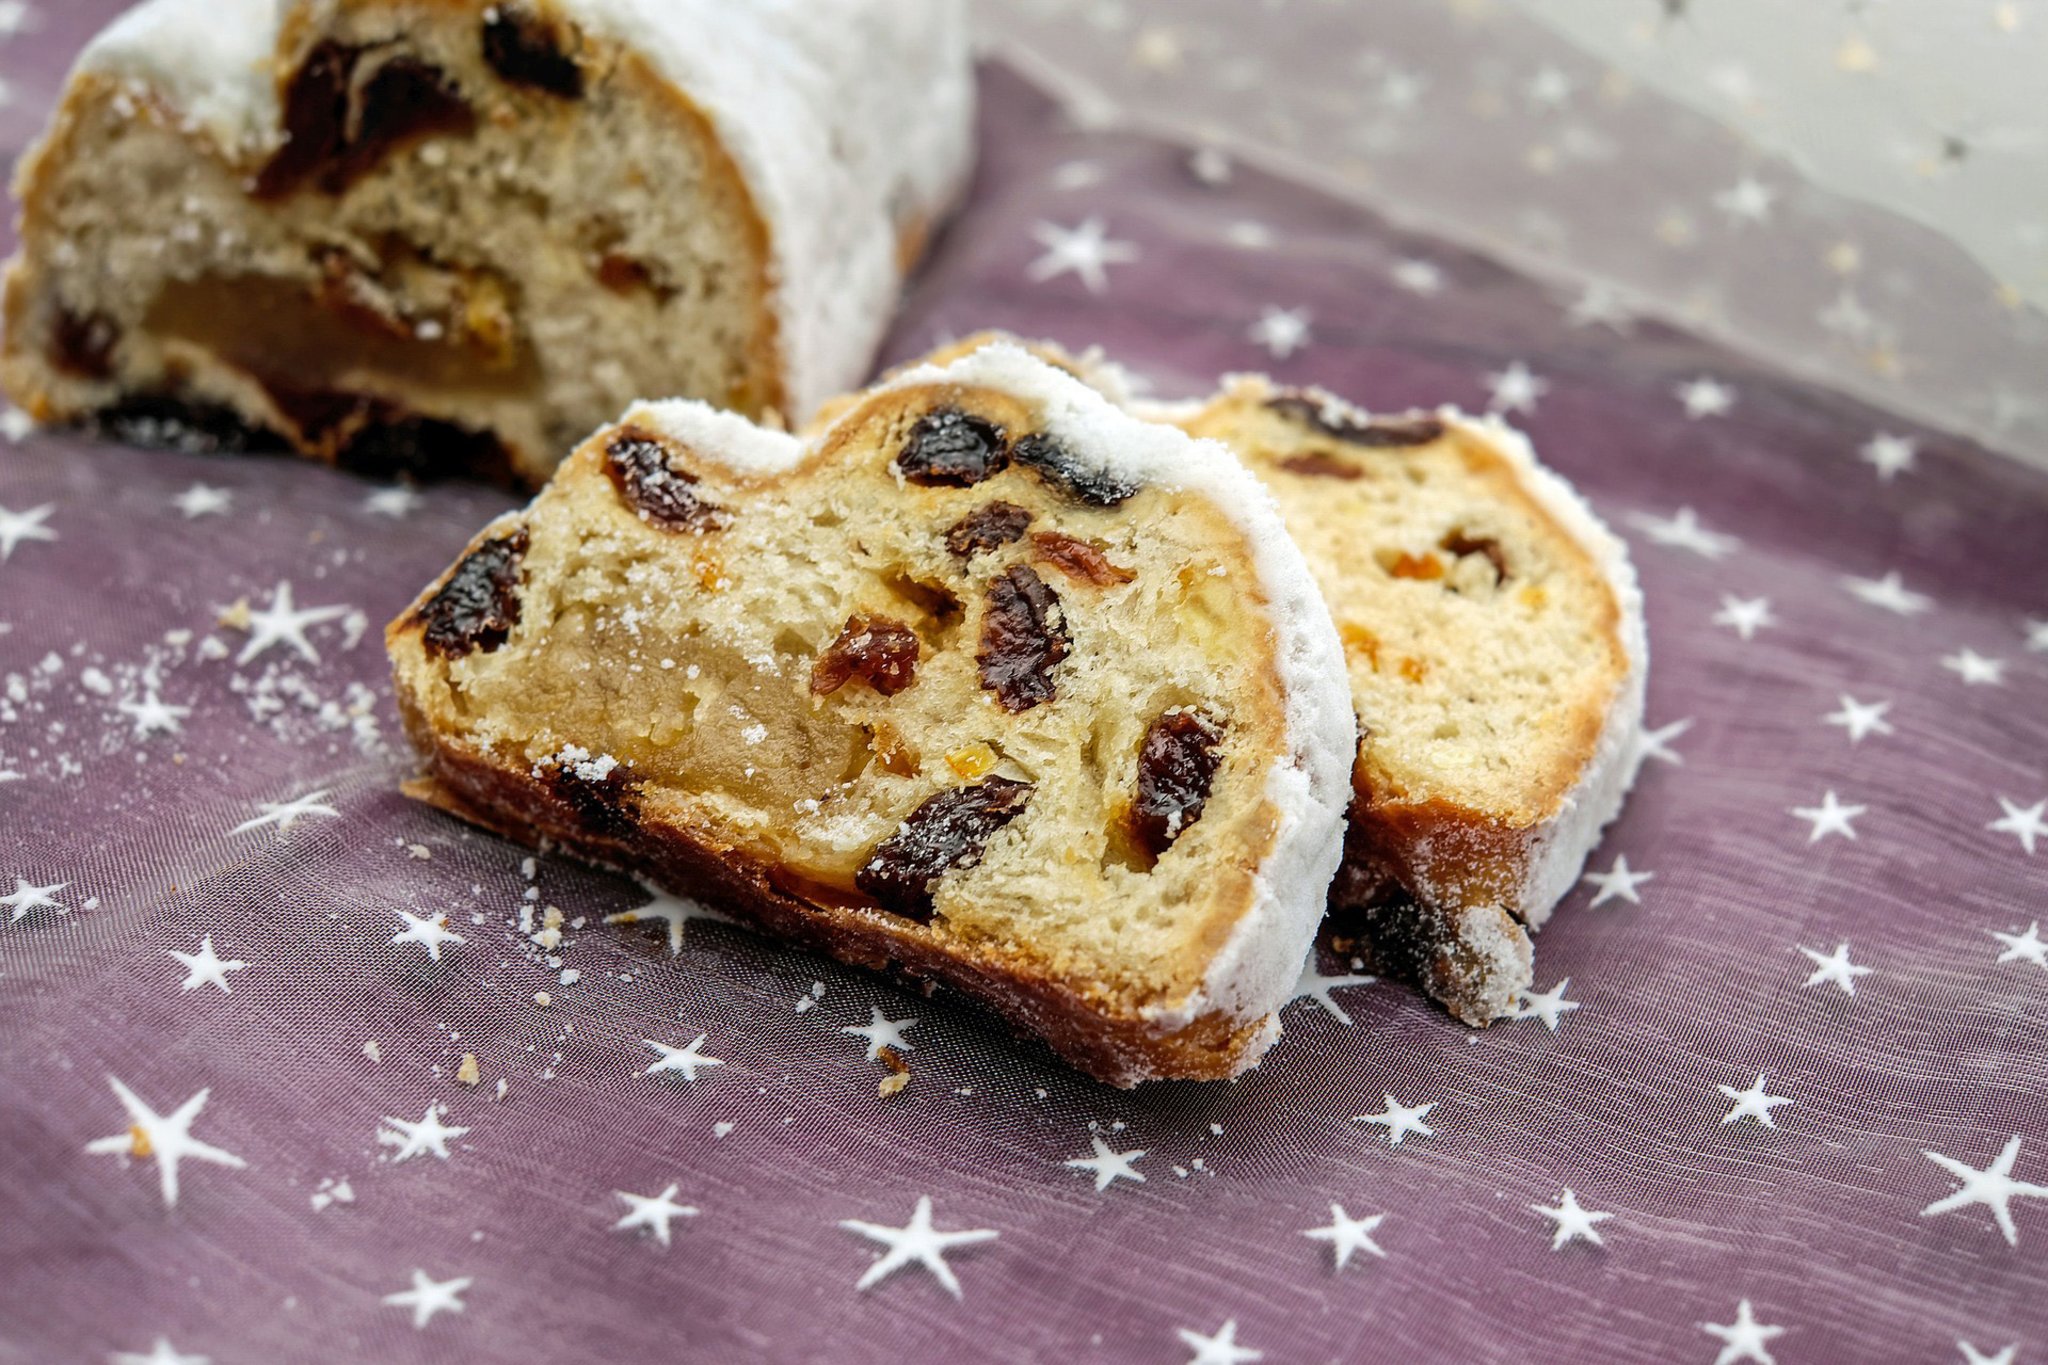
x=1852, y=715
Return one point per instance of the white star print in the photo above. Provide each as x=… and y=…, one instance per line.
x=1743, y=1339
x=166, y=1137
x=1549, y=1006
x=1860, y=718
x=2027, y=823
x=1085, y=251
x=1889, y=455
x=15, y=16
x=285, y=814
x=1973, y=1356
x=428, y=1136
x=881, y=1031
x=27, y=896
x=15, y=424
x=1748, y=200
x=1829, y=817
x=917, y=1243
x=201, y=500
x=1210, y=165
x=1282, y=331
x=205, y=968
x=2037, y=636
x=153, y=715
x=1108, y=1165
x=1617, y=883
x=1705, y=397
x=652, y=1212
x=1399, y=1120
x=1221, y=1349
x=1248, y=236
x=162, y=1353
x=1889, y=592
x=674, y=911
x=1975, y=669
x=1515, y=389
x=1835, y=967
x=1993, y=1187
x=428, y=1297
x=392, y=502
x=1346, y=1234
x=1418, y=277
x=2027, y=947
x=1313, y=985
x=1682, y=531
x=686, y=1060
x=282, y=623
x=1601, y=305
x=1747, y=615
x=1657, y=743
x=1550, y=88
x=16, y=527
x=1752, y=1103
x=429, y=931
x=1572, y=1221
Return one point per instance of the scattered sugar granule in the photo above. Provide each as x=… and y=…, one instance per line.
x=1217, y=1129
x=372, y=1051
x=804, y=1002
x=467, y=1072
x=755, y=733
x=549, y=939
x=527, y=868
x=90, y=903
x=502, y=1088
x=96, y=681
x=419, y=851
x=543, y=999
x=570, y=976
x=333, y=1190
x=720, y=1128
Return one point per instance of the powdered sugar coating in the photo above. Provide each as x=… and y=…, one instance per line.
x=713, y=434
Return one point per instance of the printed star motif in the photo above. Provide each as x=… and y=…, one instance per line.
x=27, y=896
x=881, y=1031
x=1743, y=1339
x=1976, y=670
x=153, y=715
x=2028, y=823
x=2037, y=636
x=428, y=1136
x=1399, y=1120
x=1889, y=455
x=1549, y=1006
x=1752, y=1103
x=1860, y=718
x=1973, y=1356
x=16, y=527
x=1617, y=883
x=1748, y=200
x=162, y=1353
x=1109, y=1166
x=1282, y=331
x=1657, y=743
x=652, y=1212
x=1313, y=985
x=1682, y=531
x=203, y=500
x=429, y=1296
x=917, y=1243
x=1705, y=397
x=1221, y=1349
x=15, y=15
x=1602, y=305
x=1993, y=1187
x=1829, y=817
x=166, y=1137
x=1747, y=615
x=1550, y=88
x=205, y=968
x=1346, y=1234
x=1572, y=1221
x=15, y=424
x=1418, y=276
x=1085, y=251
x=282, y=623
x=285, y=814
x=429, y=931
x=1515, y=389
x=1889, y=592
x=2027, y=947
x=675, y=911
x=1835, y=967
x=394, y=502
x=687, y=1060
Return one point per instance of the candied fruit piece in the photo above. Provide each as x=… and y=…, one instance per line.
x=878, y=650
x=947, y=833
x=987, y=528
x=1176, y=766
x=1056, y=462
x=1321, y=464
x=1023, y=636
x=479, y=604
x=1079, y=560
x=662, y=495
x=971, y=761
x=897, y=754
x=1423, y=566
x=1380, y=433
x=1461, y=544
x=526, y=49
x=952, y=449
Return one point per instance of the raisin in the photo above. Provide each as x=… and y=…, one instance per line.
x=953, y=449
x=525, y=49
x=879, y=651
x=479, y=604
x=1460, y=544
x=1176, y=765
x=378, y=438
x=1056, y=462
x=1321, y=464
x=987, y=528
x=949, y=832
x=1079, y=560
x=174, y=423
x=315, y=117
x=1380, y=433
x=1023, y=635
x=83, y=344
x=605, y=805
x=661, y=494
x=406, y=99
x=337, y=129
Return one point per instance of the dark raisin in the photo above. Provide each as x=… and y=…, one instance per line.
x=1088, y=483
x=604, y=805
x=337, y=128
x=1023, y=635
x=525, y=49
x=405, y=100
x=953, y=449
x=174, y=423
x=378, y=438
x=987, y=528
x=948, y=832
x=1176, y=765
x=315, y=119
x=879, y=651
x=661, y=494
x=1079, y=560
x=82, y=344
x=479, y=604
x=1380, y=433
x=1460, y=544
x=1321, y=464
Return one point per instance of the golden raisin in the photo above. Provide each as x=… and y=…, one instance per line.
x=1078, y=559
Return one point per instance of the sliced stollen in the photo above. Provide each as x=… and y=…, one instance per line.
x=986, y=681
x=452, y=236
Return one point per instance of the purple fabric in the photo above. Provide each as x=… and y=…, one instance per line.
x=1814, y=1221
